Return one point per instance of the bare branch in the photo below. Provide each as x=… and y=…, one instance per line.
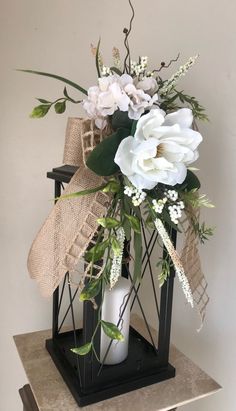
x=164, y=65
x=126, y=41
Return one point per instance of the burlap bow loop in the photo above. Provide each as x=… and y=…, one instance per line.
x=72, y=223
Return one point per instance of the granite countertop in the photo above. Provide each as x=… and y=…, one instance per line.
x=52, y=394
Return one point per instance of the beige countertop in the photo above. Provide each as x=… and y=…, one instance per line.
x=52, y=394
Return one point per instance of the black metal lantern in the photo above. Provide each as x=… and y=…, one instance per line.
x=89, y=379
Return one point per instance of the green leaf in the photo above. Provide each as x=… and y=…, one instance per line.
x=96, y=253
x=167, y=219
x=138, y=257
x=115, y=245
x=70, y=98
x=91, y=290
x=66, y=93
x=101, y=160
x=149, y=222
x=134, y=223
x=120, y=119
x=55, y=76
x=190, y=182
x=127, y=229
x=116, y=70
x=108, y=222
x=112, y=186
x=60, y=107
x=125, y=222
x=40, y=111
x=41, y=100
x=112, y=331
x=83, y=350
x=97, y=58
x=81, y=193
x=134, y=126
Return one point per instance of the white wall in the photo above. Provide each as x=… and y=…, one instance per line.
x=55, y=36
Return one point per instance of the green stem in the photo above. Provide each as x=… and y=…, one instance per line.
x=55, y=76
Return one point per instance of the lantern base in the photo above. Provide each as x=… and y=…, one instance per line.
x=140, y=369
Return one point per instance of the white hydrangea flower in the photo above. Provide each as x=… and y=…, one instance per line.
x=116, y=92
x=148, y=85
x=139, y=100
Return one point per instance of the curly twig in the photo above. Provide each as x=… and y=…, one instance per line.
x=126, y=41
x=164, y=65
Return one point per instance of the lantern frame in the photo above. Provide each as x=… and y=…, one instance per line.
x=88, y=379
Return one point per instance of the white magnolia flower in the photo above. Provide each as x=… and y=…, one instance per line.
x=161, y=149
x=116, y=92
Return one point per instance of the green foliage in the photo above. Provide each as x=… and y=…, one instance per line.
x=138, y=250
x=82, y=193
x=97, y=252
x=149, y=221
x=125, y=222
x=113, y=186
x=108, y=222
x=101, y=160
x=115, y=245
x=203, y=232
x=197, y=109
x=166, y=217
x=195, y=200
x=120, y=119
x=116, y=70
x=83, y=350
x=177, y=99
x=60, y=107
x=43, y=101
x=134, y=126
x=97, y=58
x=112, y=331
x=91, y=290
x=165, y=270
x=134, y=223
x=55, y=76
x=40, y=111
x=191, y=182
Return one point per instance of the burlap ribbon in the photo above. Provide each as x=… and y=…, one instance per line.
x=192, y=264
x=72, y=223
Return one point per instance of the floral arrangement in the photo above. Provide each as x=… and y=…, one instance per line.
x=146, y=160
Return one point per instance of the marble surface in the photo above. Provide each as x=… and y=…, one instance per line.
x=51, y=393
